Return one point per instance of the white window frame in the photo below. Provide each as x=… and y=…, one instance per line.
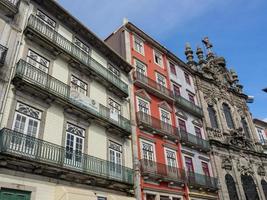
x=40, y=62
x=81, y=45
x=116, y=168
x=161, y=110
x=153, y=148
x=143, y=64
x=160, y=75
x=142, y=49
x=155, y=52
x=47, y=19
x=147, y=102
x=166, y=158
x=78, y=87
x=114, y=70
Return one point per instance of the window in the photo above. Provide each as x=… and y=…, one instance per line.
x=101, y=198
x=245, y=127
x=140, y=67
x=182, y=125
x=150, y=197
x=205, y=169
x=37, y=61
x=81, y=45
x=191, y=98
x=26, y=121
x=115, y=157
x=148, y=151
x=114, y=70
x=165, y=116
x=171, y=158
x=11, y=194
x=198, y=132
x=74, y=143
x=231, y=187
x=138, y=45
x=187, y=78
x=158, y=58
x=176, y=90
x=172, y=68
x=47, y=20
x=261, y=137
x=228, y=116
x=189, y=164
x=164, y=197
x=78, y=85
x=213, y=117
x=143, y=106
x=161, y=79
x=114, y=106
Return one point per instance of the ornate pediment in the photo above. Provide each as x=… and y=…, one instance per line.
x=238, y=139
x=197, y=122
x=181, y=114
x=227, y=163
x=143, y=94
x=165, y=106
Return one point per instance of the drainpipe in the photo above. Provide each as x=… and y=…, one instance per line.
x=18, y=45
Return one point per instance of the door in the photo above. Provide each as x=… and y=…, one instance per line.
x=144, y=111
x=115, y=109
x=148, y=162
x=165, y=121
x=74, y=146
x=27, y=122
x=115, y=158
x=190, y=169
x=172, y=170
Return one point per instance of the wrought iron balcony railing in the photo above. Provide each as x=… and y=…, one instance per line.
x=152, y=86
x=69, y=48
x=156, y=126
x=36, y=150
x=202, y=181
x=10, y=6
x=188, y=106
x=162, y=172
x=42, y=80
x=194, y=141
x=3, y=52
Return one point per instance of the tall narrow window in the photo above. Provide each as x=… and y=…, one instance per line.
x=172, y=68
x=205, y=169
x=189, y=164
x=138, y=45
x=148, y=151
x=213, y=117
x=245, y=127
x=161, y=79
x=115, y=157
x=198, y=132
x=38, y=61
x=249, y=187
x=264, y=187
x=143, y=106
x=74, y=143
x=158, y=58
x=114, y=106
x=176, y=90
x=187, y=78
x=231, y=187
x=78, y=85
x=171, y=158
x=165, y=116
x=260, y=134
x=46, y=19
x=191, y=98
x=182, y=125
x=140, y=67
x=228, y=116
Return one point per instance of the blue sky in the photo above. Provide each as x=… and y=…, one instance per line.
x=237, y=29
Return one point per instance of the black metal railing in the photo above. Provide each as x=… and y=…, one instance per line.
x=157, y=125
x=43, y=80
x=3, y=52
x=163, y=171
x=193, y=140
x=200, y=180
x=153, y=84
x=30, y=148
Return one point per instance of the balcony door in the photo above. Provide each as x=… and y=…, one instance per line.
x=162, y=84
x=189, y=169
x=165, y=117
x=206, y=172
x=148, y=155
x=74, y=146
x=115, y=109
x=171, y=161
x=144, y=111
x=26, y=121
x=115, y=158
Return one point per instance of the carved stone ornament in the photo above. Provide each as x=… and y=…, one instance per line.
x=244, y=165
x=261, y=170
x=226, y=163
x=214, y=133
x=238, y=139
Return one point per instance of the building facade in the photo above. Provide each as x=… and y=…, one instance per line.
x=238, y=158
x=261, y=131
x=171, y=153
x=65, y=129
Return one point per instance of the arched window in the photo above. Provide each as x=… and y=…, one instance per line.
x=228, y=116
x=249, y=187
x=230, y=183
x=245, y=127
x=213, y=117
x=264, y=187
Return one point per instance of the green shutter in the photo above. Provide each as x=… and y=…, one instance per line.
x=8, y=194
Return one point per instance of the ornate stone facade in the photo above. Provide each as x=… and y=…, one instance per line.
x=238, y=160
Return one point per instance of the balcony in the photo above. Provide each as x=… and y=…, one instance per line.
x=9, y=7
x=33, y=80
x=201, y=181
x=153, y=87
x=38, y=31
x=188, y=106
x=193, y=141
x=162, y=172
x=3, y=52
x=156, y=126
x=24, y=152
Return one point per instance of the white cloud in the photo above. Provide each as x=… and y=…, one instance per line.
x=265, y=119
